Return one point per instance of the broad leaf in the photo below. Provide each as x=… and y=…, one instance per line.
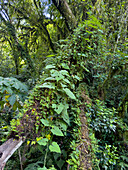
x=9, y=90
x=76, y=77
x=67, y=81
x=6, y=82
x=45, y=122
x=54, y=147
x=69, y=93
x=16, y=85
x=64, y=72
x=56, y=131
x=49, y=78
x=43, y=141
x=65, y=116
x=60, y=108
x=49, y=66
x=65, y=66
x=62, y=124
x=47, y=85
x=12, y=99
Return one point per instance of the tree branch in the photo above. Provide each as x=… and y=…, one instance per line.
x=7, y=149
x=66, y=12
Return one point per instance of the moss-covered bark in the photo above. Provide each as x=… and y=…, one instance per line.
x=85, y=155
x=66, y=12
x=85, y=142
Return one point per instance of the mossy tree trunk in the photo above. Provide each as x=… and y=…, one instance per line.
x=66, y=12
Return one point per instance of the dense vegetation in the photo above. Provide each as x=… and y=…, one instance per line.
x=63, y=83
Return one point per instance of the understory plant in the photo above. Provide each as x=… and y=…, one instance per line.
x=12, y=94
x=49, y=115
x=106, y=133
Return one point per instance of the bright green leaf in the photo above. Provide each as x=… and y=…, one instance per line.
x=54, y=147
x=69, y=93
x=50, y=66
x=52, y=55
x=56, y=131
x=60, y=108
x=45, y=122
x=43, y=141
x=47, y=85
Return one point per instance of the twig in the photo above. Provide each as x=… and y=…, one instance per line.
x=20, y=160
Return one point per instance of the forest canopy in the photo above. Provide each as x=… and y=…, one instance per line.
x=63, y=84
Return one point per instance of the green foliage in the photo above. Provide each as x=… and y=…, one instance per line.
x=104, y=119
x=51, y=112
x=109, y=156
x=54, y=147
x=73, y=160
x=95, y=55
x=12, y=94
x=107, y=127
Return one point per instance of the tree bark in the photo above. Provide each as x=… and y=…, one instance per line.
x=66, y=12
x=85, y=143
x=84, y=146
x=7, y=150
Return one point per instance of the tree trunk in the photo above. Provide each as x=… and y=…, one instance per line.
x=16, y=64
x=66, y=12
x=85, y=143
x=49, y=38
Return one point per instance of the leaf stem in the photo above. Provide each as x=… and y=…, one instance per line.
x=45, y=158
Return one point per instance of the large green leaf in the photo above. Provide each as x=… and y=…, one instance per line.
x=49, y=78
x=67, y=81
x=23, y=87
x=65, y=116
x=45, y=122
x=9, y=90
x=56, y=131
x=47, y=85
x=64, y=72
x=43, y=141
x=12, y=99
x=62, y=124
x=69, y=93
x=60, y=108
x=1, y=82
x=6, y=82
x=16, y=85
x=65, y=66
x=49, y=66
x=54, y=147
x=60, y=77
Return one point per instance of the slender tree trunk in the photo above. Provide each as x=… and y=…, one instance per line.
x=49, y=38
x=66, y=12
x=17, y=69
x=16, y=64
